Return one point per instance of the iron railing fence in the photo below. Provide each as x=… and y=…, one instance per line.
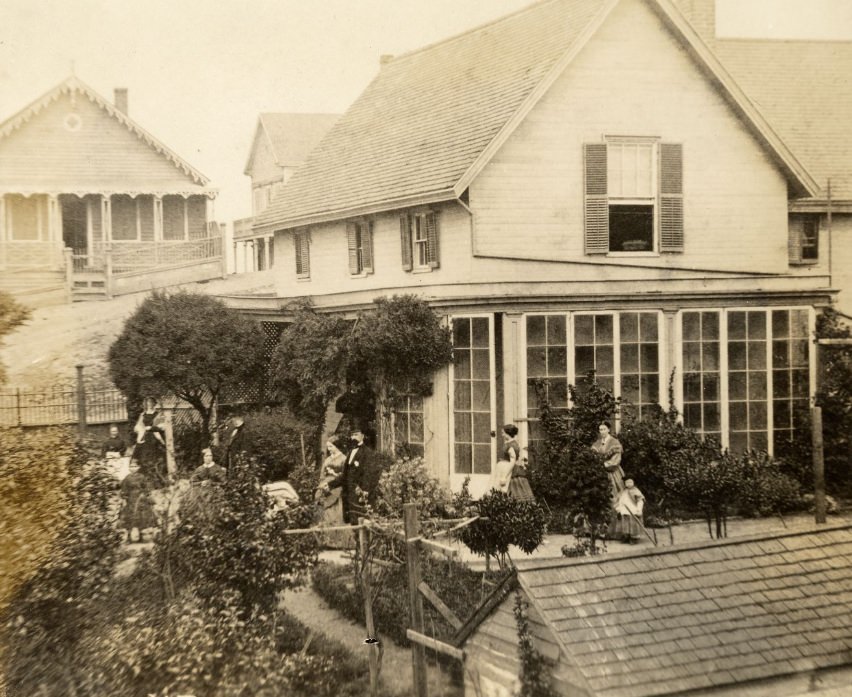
x=60, y=404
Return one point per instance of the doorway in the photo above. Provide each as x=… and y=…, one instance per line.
x=74, y=227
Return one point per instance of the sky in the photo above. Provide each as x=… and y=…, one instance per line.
x=199, y=71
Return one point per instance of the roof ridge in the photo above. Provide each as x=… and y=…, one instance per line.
x=683, y=547
x=473, y=30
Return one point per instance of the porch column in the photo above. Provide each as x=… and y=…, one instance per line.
x=670, y=360
x=208, y=214
x=106, y=218
x=270, y=251
x=158, y=218
x=3, y=234
x=185, y=218
x=54, y=225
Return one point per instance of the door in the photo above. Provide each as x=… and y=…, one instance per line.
x=474, y=403
x=74, y=232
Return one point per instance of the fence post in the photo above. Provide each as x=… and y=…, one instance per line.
x=68, y=260
x=818, y=464
x=412, y=552
x=81, y=402
x=171, y=466
x=18, y=405
x=108, y=271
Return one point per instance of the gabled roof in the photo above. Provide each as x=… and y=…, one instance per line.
x=73, y=85
x=291, y=137
x=804, y=88
x=431, y=119
x=688, y=617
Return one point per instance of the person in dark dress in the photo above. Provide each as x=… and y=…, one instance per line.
x=150, y=449
x=137, y=512
x=208, y=472
x=114, y=446
x=360, y=471
x=236, y=441
x=519, y=483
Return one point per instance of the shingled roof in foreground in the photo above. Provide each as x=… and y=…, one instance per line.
x=689, y=617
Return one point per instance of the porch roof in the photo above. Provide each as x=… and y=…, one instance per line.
x=700, y=616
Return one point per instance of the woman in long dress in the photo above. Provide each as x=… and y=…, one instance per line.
x=331, y=503
x=150, y=449
x=508, y=457
x=608, y=446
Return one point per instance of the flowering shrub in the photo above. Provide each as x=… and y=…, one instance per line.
x=407, y=481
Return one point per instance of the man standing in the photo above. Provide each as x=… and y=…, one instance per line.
x=360, y=472
x=236, y=441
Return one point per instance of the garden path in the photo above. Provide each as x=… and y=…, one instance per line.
x=396, y=673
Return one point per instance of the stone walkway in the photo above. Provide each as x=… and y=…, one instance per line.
x=396, y=672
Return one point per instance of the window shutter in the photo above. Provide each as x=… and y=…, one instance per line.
x=405, y=240
x=596, y=208
x=303, y=258
x=432, y=237
x=671, y=197
x=794, y=240
x=352, y=244
x=367, y=246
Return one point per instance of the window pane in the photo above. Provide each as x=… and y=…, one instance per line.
x=584, y=360
x=692, y=387
x=631, y=228
x=711, y=388
x=691, y=326
x=736, y=355
x=461, y=395
x=464, y=458
x=780, y=354
x=737, y=386
x=556, y=330
x=712, y=420
x=650, y=358
x=480, y=332
x=629, y=325
x=630, y=388
x=736, y=325
x=799, y=323
x=692, y=416
x=557, y=361
x=535, y=330
x=756, y=355
x=481, y=427
x=604, y=360
x=584, y=332
x=648, y=323
x=481, y=396
x=461, y=364
x=710, y=326
x=603, y=329
x=558, y=392
x=757, y=385
x=464, y=434
x=710, y=355
x=780, y=324
x=780, y=384
x=629, y=358
x=461, y=332
x=691, y=357
x=482, y=459
x=756, y=325
x=537, y=362
x=757, y=415
x=481, y=364
x=650, y=389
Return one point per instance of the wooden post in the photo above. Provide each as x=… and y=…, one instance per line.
x=81, y=403
x=18, y=405
x=373, y=646
x=412, y=552
x=171, y=467
x=819, y=465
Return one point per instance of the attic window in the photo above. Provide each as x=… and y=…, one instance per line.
x=73, y=122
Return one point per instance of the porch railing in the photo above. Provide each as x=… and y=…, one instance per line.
x=132, y=256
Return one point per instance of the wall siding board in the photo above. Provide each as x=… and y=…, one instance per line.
x=102, y=153
x=735, y=199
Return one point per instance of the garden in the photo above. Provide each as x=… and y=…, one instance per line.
x=199, y=611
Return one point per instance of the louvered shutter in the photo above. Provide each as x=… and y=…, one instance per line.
x=671, y=197
x=405, y=241
x=432, y=241
x=794, y=240
x=352, y=244
x=596, y=210
x=303, y=258
x=367, y=246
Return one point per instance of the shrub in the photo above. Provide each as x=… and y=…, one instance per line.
x=504, y=522
x=274, y=437
x=766, y=490
x=243, y=548
x=408, y=481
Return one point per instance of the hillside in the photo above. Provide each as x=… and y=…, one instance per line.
x=47, y=348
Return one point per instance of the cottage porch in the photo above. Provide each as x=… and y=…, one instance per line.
x=98, y=245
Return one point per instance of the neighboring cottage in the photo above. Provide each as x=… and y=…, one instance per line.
x=91, y=205
x=745, y=617
x=580, y=186
x=281, y=143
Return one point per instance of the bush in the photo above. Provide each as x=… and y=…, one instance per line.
x=504, y=522
x=243, y=548
x=408, y=481
x=274, y=438
x=766, y=490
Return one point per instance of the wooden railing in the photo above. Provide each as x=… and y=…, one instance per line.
x=144, y=256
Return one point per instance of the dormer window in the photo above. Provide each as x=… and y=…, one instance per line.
x=634, y=196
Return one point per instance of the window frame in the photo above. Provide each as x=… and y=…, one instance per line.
x=420, y=254
x=652, y=200
x=724, y=398
x=359, y=244
x=302, y=238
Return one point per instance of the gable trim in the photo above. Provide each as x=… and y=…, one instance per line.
x=737, y=99
x=74, y=84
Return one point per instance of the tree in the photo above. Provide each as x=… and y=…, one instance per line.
x=396, y=350
x=12, y=315
x=309, y=365
x=188, y=345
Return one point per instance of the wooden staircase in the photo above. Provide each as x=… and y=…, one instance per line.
x=89, y=285
x=35, y=287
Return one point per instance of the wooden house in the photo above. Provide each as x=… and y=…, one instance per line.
x=580, y=186
x=742, y=617
x=281, y=143
x=92, y=205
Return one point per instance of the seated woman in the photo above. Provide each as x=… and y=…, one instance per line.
x=208, y=472
x=151, y=444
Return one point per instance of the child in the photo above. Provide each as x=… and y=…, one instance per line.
x=137, y=512
x=629, y=506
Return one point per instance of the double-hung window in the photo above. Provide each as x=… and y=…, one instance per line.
x=302, y=245
x=419, y=237
x=633, y=196
x=359, y=239
x=803, y=244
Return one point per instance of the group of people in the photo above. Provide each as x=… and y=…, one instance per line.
x=147, y=469
x=627, y=501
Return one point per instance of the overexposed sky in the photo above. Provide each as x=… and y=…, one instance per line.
x=199, y=72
